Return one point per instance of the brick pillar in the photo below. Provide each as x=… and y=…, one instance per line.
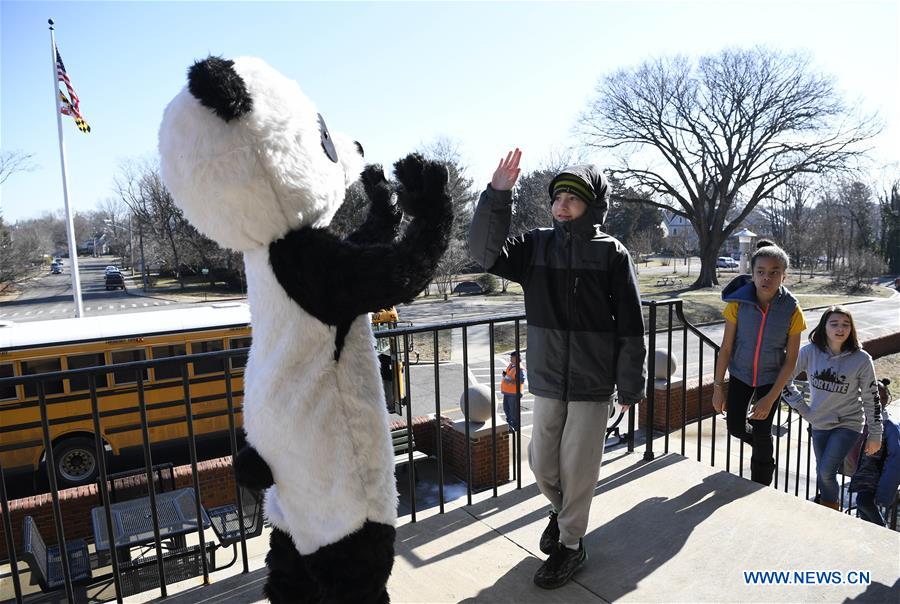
x=453, y=443
x=692, y=395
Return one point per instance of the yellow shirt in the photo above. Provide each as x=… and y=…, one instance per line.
x=798, y=323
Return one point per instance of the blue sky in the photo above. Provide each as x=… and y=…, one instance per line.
x=393, y=75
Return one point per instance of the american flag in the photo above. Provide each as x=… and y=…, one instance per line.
x=69, y=104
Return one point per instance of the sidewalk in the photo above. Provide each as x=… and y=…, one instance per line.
x=669, y=530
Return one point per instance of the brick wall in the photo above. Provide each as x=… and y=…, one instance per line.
x=453, y=450
x=216, y=488
x=883, y=346
x=676, y=418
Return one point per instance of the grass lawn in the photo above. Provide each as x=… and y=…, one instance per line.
x=194, y=287
x=889, y=367
x=705, y=305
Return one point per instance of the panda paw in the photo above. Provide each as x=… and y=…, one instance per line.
x=251, y=470
x=379, y=192
x=422, y=185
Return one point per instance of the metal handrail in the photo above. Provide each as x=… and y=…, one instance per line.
x=673, y=307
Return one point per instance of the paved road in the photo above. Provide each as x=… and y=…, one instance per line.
x=874, y=318
x=49, y=296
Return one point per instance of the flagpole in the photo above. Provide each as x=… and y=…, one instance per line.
x=70, y=226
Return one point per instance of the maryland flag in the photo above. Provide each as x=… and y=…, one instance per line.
x=69, y=104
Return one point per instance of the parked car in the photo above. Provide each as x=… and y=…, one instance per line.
x=468, y=287
x=726, y=262
x=114, y=280
x=56, y=268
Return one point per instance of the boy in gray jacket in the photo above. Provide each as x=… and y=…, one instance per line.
x=585, y=340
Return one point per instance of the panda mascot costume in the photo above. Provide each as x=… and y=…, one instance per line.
x=253, y=166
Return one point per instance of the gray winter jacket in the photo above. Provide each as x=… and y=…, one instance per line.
x=585, y=327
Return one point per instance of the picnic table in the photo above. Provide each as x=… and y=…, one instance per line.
x=132, y=520
x=664, y=281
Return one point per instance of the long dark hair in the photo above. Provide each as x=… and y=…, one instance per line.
x=819, y=336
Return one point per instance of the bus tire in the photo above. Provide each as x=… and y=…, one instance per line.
x=76, y=462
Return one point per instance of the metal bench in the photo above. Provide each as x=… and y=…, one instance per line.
x=142, y=574
x=45, y=562
x=132, y=484
x=226, y=521
x=403, y=440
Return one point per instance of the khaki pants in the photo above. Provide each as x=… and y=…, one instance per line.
x=564, y=454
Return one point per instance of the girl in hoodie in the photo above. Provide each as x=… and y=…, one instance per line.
x=763, y=322
x=843, y=397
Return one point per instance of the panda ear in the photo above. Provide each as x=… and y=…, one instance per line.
x=359, y=148
x=216, y=84
x=327, y=143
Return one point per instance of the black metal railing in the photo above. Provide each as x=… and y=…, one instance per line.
x=666, y=323
x=98, y=415
x=792, y=432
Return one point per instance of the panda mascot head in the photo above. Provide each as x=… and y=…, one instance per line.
x=251, y=162
x=242, y=131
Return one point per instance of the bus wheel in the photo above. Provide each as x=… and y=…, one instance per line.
x=76, y=462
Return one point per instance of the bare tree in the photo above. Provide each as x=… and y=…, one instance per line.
x=680, y=245
x=7, y=265
x=889, y=206
x=788, y=211
x=14, y=161
x=640, y=244
x=140, y=186
x=714, y=137
x=531, y=201
x=459, y=185
x=454, y=261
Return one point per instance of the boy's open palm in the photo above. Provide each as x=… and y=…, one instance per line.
x=507, y=172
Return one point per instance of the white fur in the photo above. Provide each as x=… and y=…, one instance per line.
x=247, y=182
x=320, y=425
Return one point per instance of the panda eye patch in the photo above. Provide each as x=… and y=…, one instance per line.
x=327, y=143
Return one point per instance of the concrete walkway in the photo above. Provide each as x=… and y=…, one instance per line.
x=669, y=530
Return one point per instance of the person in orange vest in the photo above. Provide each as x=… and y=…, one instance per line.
x=512, y=395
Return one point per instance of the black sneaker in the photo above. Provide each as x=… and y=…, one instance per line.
x=550, y=536
x=560, y=566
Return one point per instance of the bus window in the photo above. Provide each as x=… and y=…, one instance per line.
x=168, y=371
x=239, y=360
x=82, y=382
x=36, y=366
x=207, y=365
x=127, y=376
x=7, y=392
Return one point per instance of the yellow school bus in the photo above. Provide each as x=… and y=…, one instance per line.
x=65, y=344
x=389, y=358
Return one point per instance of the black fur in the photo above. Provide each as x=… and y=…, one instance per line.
x=340, y=335
x=353, y=570
x=216, y=84
x=337, y=280
x=251, y=470
x=382, y=223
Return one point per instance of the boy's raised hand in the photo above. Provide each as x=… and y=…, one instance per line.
x=507, y=172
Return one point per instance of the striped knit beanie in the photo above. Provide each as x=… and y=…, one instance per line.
x=570, y=183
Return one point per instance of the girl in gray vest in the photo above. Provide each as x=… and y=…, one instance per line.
x=843, y=398
x=763, y=322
